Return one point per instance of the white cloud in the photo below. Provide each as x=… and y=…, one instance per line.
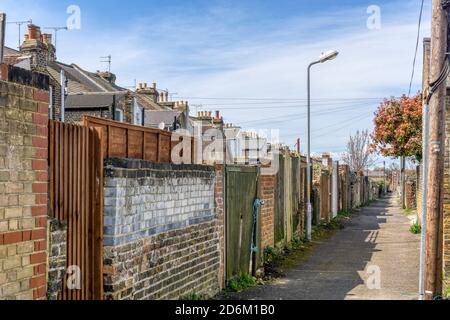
x=227, y=53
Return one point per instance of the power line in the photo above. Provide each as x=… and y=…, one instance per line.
x=347, y=122
x=321, y=101
x=297, y=116
x=275, y=100
x=417, y=48
x=295, y=106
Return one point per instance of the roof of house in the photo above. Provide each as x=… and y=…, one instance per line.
x=154, y=118
x=92, y=100
x=79, y=80
x=147, y=103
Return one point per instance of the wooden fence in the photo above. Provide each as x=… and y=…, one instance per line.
x=76, y=197
x=122, y=140
x=239, y=219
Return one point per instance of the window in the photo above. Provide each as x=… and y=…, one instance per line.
x=138, y=114
x=119, y=115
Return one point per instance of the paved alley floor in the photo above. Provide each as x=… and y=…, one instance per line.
x=375, y=257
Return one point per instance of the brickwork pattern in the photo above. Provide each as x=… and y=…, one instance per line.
x=220, y=218
x=23, y=191
x=57, y=258
x=268, y=189
x=144, y=201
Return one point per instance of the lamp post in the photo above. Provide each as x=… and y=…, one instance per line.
x=327, y=56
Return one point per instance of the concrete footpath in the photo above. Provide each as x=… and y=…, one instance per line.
x=375, y=257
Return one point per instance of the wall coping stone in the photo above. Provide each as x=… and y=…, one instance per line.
x=123, y=163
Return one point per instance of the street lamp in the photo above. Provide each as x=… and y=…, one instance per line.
x=324, y=57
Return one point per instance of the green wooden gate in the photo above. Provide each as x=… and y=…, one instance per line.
x=279, y=224
x=241, y=192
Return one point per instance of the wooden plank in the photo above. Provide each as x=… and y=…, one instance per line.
x=52, y=168
x=118, y=143
x=82, y=211
x=66, y=171
x=78, y=207
x=98, y=221
x=151, y=146
x=159, y=152
x=86, y=215
x=91, y=213
x=135, y=144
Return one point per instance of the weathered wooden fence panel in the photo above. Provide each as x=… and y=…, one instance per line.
x=288, y=210
x=121, y=140
x=279, y=224
x=325, y=197
x=76, y=197
x=296, y=196
x=241, y=192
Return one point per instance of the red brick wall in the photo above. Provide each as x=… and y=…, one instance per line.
x=267, y=187
x=220, y=212
x=23, y=191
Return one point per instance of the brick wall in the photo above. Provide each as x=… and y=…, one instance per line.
x=268, y=189
x=57, y=258
x=23, y=186
x=162, y=238
x=76, y=116
x=219, y=196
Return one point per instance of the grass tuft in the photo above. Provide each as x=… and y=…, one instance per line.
x=416, y=228
x=241, y=283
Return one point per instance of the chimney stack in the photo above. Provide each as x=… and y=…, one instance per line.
x=39, y=47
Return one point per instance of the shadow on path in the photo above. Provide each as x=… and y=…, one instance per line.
x=375, y=239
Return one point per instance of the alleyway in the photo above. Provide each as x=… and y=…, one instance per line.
x=376, y=236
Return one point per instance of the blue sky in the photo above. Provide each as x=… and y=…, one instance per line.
x=257, y=50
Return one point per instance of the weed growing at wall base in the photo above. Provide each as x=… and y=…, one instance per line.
x=242, y=282
x=416, y=228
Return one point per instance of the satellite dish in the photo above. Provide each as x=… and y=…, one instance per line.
x=162, y=126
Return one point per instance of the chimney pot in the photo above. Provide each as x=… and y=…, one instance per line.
x=34, y=32
x=154, y=85
x=47, y=38
x=218, y=115
x=145, y=85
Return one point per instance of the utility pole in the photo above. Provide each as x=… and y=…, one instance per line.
x=402, y=181
x=433, y=259
x=2, y=35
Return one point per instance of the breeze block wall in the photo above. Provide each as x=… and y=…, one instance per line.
x=162, y=232
x=23, y=183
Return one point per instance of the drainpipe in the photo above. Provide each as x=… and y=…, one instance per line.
x=63, y=95
x=424, y=201
x=114, y=108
